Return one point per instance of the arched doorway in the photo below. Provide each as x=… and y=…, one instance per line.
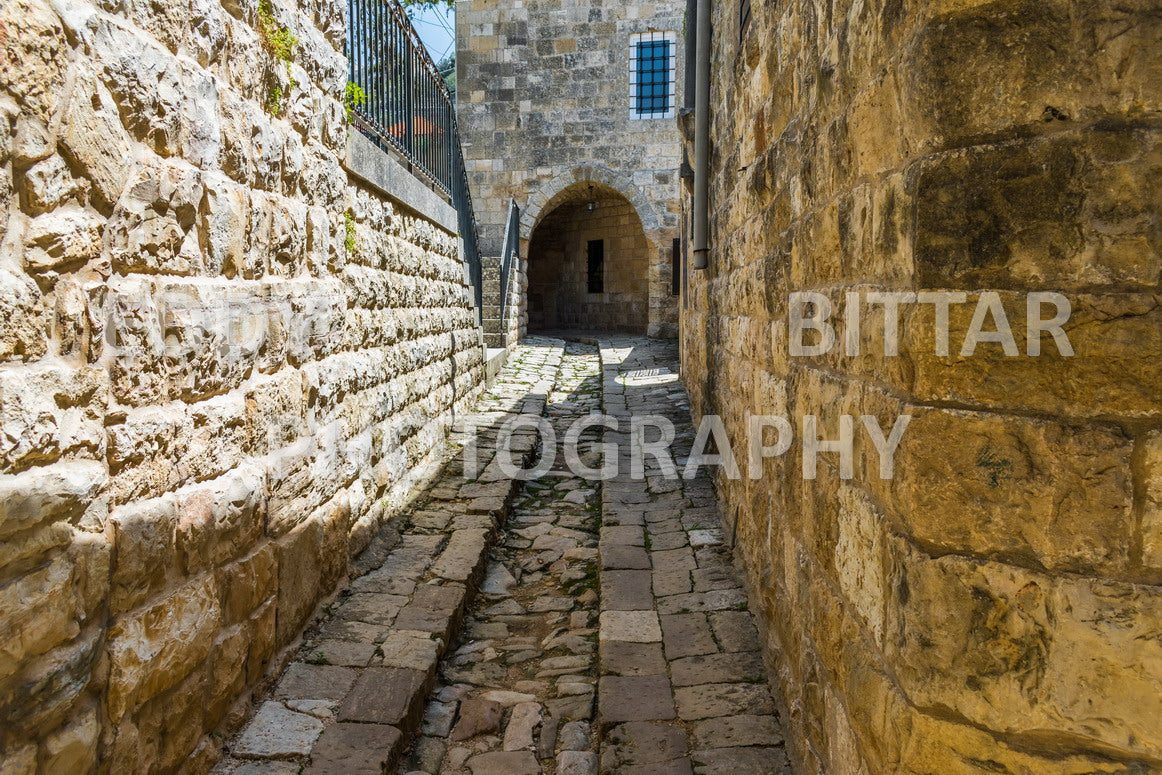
x=589, y=264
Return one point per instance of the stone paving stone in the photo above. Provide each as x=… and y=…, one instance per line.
x=635, y=698
x=717, y=668
x=439, y=718
x=344, y=652
x=277, y=733
x=505, y=763
x=673, y=560
x=736, y=731
x=372, y=608
x=626, y=658
x=410, y=650
x=340, y=629
x=384, y=584
x=383, y=695
x=668, y=583
x=731, y=761
x=464, y=556
x=715, y=600
x=431, y=609
x=268, y=768
x=735, y=630
x=686, y=635
x=625, y=558
x=632, y=626
x=643, y=744
x=477, y=717
x=667, y=541
x=627, y=590
x=579, y=708
x=709, y=579
x=714, y=700
x=314, y=682
x=700, y=538
x=623, y=536
x=355, y=749
x=522, y=724
x=577, y=763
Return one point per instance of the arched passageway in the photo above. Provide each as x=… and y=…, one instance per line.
x=588, y=264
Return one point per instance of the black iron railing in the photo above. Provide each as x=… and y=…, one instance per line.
x=508, y=257
x=404, y=105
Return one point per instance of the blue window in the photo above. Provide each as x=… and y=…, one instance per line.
x=652, y=60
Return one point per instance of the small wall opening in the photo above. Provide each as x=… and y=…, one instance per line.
x=588, y=264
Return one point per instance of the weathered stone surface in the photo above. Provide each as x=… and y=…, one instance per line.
x=73, y=748
x=741, y=730
x=278, y=733
x=717, y=668
x=643, y=743
x=505, y=763
x=723, y=761
x=355, y=748
x=154, y=648
x=58, y=493
x=631, y=626
x=384, y=695
x=522, y=723
x=636, y=698
x=25, y=337
x=477, y=717
x=314, y=682
x=1038, y=649
x=1152, y=517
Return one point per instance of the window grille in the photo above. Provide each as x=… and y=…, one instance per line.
x=652, y=69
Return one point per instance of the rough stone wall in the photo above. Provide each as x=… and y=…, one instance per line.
x=996, y=606
x=543, y=99
x=558, y=289
x=208, y=398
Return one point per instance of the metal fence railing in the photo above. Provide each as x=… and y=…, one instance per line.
x=508, y=257
x=406, y=107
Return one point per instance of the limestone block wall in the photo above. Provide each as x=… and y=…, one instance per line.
x=223, y=364
x=543, y=100
x=996, y=606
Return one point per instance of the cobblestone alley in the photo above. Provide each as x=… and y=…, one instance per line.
x=558, y=626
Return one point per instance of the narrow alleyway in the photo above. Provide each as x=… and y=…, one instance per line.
x=609, y=631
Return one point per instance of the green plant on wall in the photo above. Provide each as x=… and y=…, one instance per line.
x=349, y=229
x=353, y=97
x=279, y=44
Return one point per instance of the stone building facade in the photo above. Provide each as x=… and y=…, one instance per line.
x=224, y=362
x=996, y=605
x=545, y=99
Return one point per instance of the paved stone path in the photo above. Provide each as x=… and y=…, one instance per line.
x=353, y=695
x=609, y=632
x=517, y=696
x=682, y=687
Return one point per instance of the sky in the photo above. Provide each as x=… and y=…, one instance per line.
x=435, y=27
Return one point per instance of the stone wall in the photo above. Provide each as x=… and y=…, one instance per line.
x=995, y=607
x=558, y=289
x=543, y=98
x=223, y=364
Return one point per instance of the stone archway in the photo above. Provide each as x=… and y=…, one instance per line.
x=545, y=199
x=589, y=263
x=651, y=308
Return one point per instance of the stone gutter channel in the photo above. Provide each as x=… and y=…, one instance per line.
x=593, y=626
